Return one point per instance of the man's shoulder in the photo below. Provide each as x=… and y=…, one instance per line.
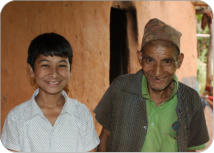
x=127, y=83
x=130, y=76
x=128, y=79
x=187, y=90
x=189, y=97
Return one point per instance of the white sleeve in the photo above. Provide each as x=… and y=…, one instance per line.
x=10, y=134
x=91, y=139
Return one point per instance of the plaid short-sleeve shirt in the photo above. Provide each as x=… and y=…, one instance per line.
x=122, y=110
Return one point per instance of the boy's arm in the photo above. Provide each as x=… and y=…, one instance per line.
x=10, y=133
x=91, y=139
x=93, y=150
x=103, y=140
x=12, y=150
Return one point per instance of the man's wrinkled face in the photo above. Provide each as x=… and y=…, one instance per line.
x=159, y=61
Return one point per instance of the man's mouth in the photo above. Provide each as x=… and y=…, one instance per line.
x=158, y=80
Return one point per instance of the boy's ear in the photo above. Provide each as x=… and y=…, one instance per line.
x=30, y=71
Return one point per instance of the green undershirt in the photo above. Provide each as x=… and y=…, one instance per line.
x=161, y=137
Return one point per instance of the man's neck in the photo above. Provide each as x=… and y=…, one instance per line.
x=160, y=96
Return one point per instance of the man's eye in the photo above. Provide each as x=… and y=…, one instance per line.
x=148, y=60
x=168, y=61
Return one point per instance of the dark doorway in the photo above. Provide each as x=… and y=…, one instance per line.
x=119, y=52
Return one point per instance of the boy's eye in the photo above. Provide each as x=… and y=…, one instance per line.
x=62, y=65
x=45, y=65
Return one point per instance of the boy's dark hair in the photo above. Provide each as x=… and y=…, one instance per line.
x=49, y=44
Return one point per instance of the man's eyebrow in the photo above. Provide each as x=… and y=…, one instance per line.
x=147, y=56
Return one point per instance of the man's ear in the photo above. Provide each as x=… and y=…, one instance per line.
x=140, y=56
x=180, y=60
x=30, y=71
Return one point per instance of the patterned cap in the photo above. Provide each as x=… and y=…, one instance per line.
x=156, y=29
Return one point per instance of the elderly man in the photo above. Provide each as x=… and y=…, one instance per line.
x=151, y=111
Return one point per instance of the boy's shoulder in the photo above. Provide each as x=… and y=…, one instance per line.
x=25, y=110
x=81, y=115
x=76, y=107
x=20, y=111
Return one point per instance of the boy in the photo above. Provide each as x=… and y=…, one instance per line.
x=50, y=121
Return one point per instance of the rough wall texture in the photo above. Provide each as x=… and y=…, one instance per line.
x=86, y=26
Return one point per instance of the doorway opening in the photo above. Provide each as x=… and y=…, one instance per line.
x=119, y=51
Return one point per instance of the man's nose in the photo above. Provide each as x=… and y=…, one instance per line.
x=158, y=70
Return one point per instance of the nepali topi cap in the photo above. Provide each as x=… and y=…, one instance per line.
x=156, y=29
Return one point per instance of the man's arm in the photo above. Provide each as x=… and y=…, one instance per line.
x=103, y=140
x=198, y=133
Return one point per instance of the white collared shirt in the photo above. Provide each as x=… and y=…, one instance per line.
x=27, y=129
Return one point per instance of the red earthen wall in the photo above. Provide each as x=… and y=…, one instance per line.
x=86, y=26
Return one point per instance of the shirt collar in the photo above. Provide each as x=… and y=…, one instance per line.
x=36, y=109
x=145, y=92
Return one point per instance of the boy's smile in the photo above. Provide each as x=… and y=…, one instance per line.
x=51, y=73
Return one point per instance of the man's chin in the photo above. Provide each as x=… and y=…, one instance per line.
x=157, y=89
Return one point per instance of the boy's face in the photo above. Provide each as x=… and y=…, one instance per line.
x=51, y=73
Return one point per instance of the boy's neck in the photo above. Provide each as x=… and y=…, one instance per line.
x=50, y=101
